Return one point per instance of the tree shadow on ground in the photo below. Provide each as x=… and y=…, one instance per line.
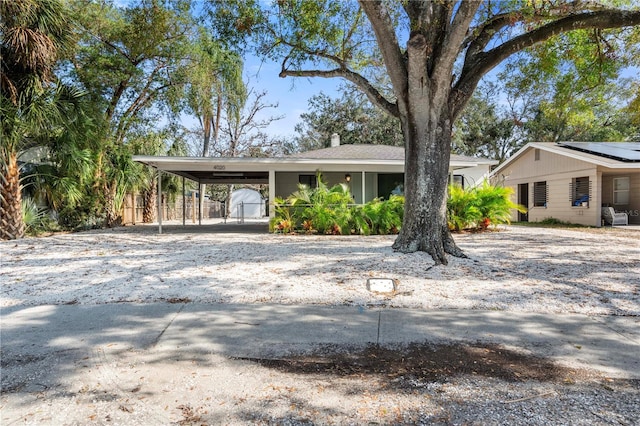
x=417, y=364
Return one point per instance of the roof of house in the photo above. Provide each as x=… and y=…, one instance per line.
x=374, y=152
x=627, y=152
x=614, y=155
x=354, y=152
x=367, y=158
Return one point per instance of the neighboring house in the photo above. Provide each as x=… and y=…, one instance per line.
x=371, y=171
x=572, y=181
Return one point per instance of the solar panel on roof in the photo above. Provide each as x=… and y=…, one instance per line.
x=621, y=151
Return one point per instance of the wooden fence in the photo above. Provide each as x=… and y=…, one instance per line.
x=133, y=207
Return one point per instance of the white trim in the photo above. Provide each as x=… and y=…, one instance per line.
x=234, y=164
x=617, y=191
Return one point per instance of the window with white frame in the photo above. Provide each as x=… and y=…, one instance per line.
x=621, y=190
x=540, y=194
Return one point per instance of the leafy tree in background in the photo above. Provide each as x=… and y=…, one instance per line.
x=33, y=34
x=130, y=60
x=569, y=88
x=533, y=102
x=214, y=82
x=352, y=116
x=483, y=129
x=434, y=53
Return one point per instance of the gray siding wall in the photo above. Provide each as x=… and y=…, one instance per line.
x=287, y=182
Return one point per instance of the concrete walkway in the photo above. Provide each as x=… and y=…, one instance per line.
x=607, y=344
x=175, y=363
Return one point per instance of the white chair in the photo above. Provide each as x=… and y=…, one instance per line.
x=612, y=218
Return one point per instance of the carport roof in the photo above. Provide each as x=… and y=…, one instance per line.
x=250, y=170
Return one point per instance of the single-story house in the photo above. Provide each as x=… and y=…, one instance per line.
x=371, y=171
x=576, y=182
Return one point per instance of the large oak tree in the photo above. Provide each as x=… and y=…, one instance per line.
x=434, y=51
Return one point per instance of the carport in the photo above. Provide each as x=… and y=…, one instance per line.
x=206, y=171
x=281, y=171
x=360, y=166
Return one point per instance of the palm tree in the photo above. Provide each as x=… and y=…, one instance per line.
x=215, y=80
x=33, y=32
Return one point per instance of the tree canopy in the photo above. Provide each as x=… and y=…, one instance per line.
x=352, y=116
x=434, y=54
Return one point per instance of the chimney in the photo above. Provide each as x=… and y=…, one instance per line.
x=335, y=140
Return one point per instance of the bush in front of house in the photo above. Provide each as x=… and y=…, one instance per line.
x=325, y=210
x=321, y=210
x=479, y=207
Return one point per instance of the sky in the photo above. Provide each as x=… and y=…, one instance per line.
x=290, y=93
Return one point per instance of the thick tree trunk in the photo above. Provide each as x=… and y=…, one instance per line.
x=425, y=225
x=11, y=220
x=426, y=126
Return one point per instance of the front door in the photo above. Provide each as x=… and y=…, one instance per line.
x=523, y=198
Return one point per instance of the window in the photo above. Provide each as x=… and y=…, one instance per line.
x=390, y=184
x=621, y=190
x=580, y=191
x=310, y=180
x=458, y=180
x=540, y=194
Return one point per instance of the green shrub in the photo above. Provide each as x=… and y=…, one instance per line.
x=462, y=209
x=326, y=210
x=478, y=207
x=36, y=218
x=553, y=221
x=384, y=216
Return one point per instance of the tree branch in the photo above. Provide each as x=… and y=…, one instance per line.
x=393, y=58
x=371, y=92
x=443, y=66
x=478, y=63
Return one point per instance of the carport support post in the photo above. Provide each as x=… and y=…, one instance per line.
x=200, y=201
x=184, y=204
x=159, y=201
x=272, y=193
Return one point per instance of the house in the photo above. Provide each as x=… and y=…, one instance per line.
x=572, y=181
x=371, y=171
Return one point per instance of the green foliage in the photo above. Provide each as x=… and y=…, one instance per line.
x=553, y=221
x=384, y=216
x=483, y=129
x=35, y=217
x=352, y=116
x=477, y=208
x=331, y=211
x=462, y=211
x=327, y=210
